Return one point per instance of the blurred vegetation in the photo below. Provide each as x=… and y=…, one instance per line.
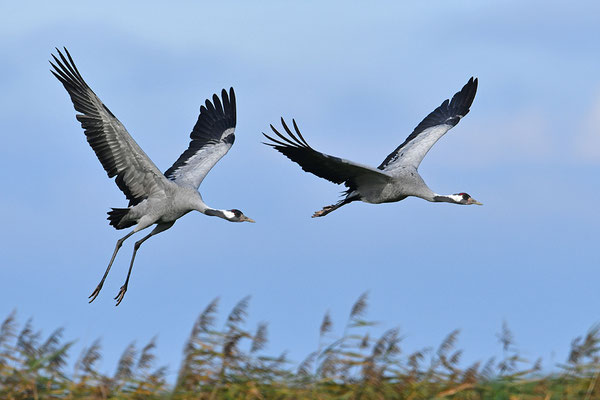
x=229, y=362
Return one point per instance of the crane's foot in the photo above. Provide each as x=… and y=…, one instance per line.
x=95, y=293
x=119, y=297
x=317, y=214
x=323, y=212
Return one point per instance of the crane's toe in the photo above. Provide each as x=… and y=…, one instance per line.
x=95, y=293
x=326, y=210
x=119, y=297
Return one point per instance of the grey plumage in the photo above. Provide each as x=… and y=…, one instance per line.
x=397, y=177
x=154, y=198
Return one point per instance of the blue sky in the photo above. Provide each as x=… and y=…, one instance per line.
x=357, y=79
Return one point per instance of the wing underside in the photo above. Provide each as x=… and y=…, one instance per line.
x=431, y=129
x=211, y=138
x=136, y=175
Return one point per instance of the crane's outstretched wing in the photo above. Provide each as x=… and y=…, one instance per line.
x=433, y=127
x=212, y=137
x=120, y=155
x=334, y=169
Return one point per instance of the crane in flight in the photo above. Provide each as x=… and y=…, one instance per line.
x=397, y=177
x=154, y=198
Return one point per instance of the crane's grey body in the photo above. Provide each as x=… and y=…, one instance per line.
x=154, y=197
x=166, y=205
x=397, y=177
x=403, y=182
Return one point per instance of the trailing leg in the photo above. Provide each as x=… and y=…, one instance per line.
x=327, y=209
x=96, y=291
x=158, y=229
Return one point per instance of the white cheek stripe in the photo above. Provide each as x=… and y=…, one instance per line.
x=229, y=214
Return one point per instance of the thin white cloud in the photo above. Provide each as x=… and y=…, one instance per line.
x=587, y=143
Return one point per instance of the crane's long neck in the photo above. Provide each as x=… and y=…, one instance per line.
x=199, y=205
x=430, y=195
x=225, y=214
x=450, y=198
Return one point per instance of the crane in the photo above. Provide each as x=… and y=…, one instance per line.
x=397, y=177
x=154, y=198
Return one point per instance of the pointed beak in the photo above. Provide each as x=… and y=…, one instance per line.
x=473, y=201
x=244, y=218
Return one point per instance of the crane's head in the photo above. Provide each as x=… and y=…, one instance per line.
x=464, y=198
x=236, y=216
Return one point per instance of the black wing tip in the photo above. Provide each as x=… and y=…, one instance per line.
x=470, y=89
x=228, y=100
x=450, y=112
x=60, y=53
x=275, y=143
x=228, y=97
x=461, y=102
x=67, y=71
x=268, y=138
x=289, y=140
x=217, y=115
x=219, y=110
x=467, y=92
x=68, y=61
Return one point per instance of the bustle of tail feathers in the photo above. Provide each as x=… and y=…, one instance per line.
x=116, y=215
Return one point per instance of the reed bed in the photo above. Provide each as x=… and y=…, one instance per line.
x=230, y=362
